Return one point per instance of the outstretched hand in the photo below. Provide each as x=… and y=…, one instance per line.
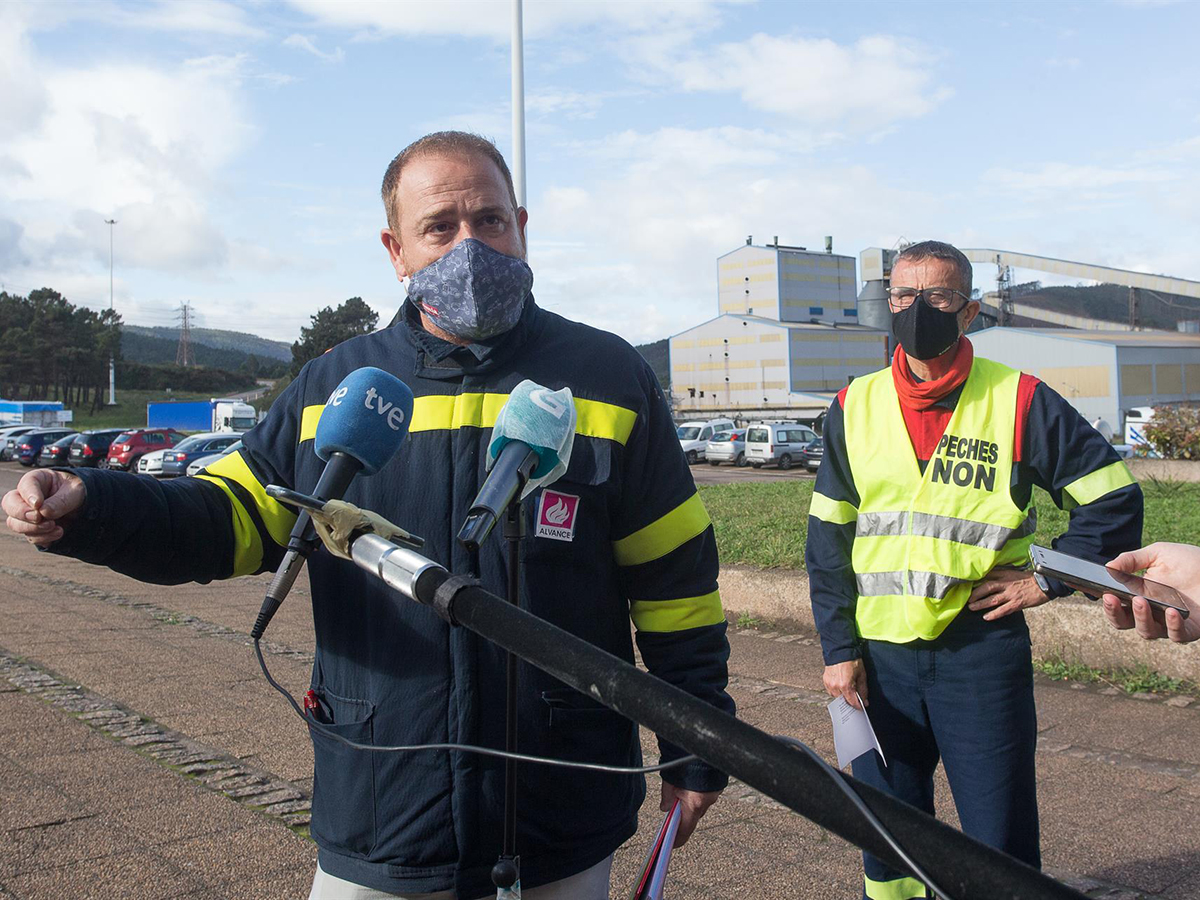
x=42, y=502
x=1176, y=565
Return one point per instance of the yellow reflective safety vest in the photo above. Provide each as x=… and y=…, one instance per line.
x=922, y=541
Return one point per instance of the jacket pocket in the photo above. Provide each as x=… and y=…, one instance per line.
x=587, y=803
x=344, y=777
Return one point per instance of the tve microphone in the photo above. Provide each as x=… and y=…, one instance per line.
x=531, y=446
x=362, y=426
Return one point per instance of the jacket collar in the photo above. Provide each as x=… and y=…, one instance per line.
x=444, y=361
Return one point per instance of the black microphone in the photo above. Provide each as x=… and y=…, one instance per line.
x=360, y=429
x=532, y=440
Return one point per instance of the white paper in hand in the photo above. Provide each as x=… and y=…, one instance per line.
x=852, y=732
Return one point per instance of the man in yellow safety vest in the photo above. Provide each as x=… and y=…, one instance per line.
x=918, y=551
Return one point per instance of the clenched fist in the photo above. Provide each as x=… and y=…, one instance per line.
x=41, y=503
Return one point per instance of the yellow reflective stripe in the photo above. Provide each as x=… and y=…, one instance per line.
x=677, y=615
x=247, y=545
x=440, y=413
x=309, y=417
x=896, y=889
x=277, y=517
x=593, y=418
x=835, y=512
x=1096, y=484
x=663, y=535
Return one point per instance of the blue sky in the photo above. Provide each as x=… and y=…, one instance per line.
x=240, y=146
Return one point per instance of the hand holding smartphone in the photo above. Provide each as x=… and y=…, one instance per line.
x=1093, y=580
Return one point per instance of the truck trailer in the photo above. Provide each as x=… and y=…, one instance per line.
x=217, y=414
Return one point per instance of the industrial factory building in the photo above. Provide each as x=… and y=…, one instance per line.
x=785, y=342
x=1102, y=373
x=792, y=330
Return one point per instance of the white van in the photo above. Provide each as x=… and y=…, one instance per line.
x=777, y=442
x=694, y=437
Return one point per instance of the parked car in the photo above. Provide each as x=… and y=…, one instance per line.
x=129, y=447
x=57, y=453
x=727, y=446
x=694, y=437
x=195, y=467
x=151, y=463
x=812, y=455
x=777, y=442
x=90, y=448
x=29, y=445
x=10, y=437
x=175, y=460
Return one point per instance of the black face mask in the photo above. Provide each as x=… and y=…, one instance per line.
x=925, y=332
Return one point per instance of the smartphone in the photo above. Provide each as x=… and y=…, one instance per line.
x=1094, y=579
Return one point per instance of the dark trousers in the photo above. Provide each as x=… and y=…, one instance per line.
x=966, y=697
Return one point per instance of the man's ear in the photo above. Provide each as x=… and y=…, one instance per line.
x=522, y=221
x=968, y=314
x=395, y=253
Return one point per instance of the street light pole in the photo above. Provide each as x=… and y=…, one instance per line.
x=112, y=365
x=518, y=102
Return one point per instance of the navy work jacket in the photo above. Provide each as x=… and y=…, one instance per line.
x=388, y=671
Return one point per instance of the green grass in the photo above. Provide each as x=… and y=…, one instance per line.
x=746, y=620
x=765, y=524
x=130, y=411
x=760, y=523
x=1135, y=680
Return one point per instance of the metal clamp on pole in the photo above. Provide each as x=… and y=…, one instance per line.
x=405, y=570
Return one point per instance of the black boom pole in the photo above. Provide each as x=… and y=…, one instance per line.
x=964, y=867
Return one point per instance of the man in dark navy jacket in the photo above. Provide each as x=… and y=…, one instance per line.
x=639, y=545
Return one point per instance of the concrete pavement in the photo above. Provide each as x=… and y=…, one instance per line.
x=142, y=755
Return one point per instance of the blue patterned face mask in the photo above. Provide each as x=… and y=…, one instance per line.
x=473, y=292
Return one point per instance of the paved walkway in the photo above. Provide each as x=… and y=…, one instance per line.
x=143, y=756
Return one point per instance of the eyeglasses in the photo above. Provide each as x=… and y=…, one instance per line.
x=937, y=297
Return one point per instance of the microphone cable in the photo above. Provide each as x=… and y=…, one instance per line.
x=468, y=748
x=844, y=786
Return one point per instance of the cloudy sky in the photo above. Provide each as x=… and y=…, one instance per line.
x=240, y=146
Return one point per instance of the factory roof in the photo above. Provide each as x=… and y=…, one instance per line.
x=1116, y=338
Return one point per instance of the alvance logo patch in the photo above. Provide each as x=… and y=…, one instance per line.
x=556, y=516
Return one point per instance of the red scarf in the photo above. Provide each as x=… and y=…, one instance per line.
x=921, y=395
x=926, y=423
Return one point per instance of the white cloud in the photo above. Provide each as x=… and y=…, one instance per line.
x=493, y=18
x=567, y=104
x=308, y=45
x=187, y=17
x=143, y=143
x=1075, y=184
x=868, y=84
x=635, y=251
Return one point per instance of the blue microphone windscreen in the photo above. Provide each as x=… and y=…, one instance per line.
x=367, y=417
x=543, y=419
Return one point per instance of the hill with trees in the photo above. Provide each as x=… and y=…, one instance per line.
x=218, y=339
x=1109, y=302
x=656, y=354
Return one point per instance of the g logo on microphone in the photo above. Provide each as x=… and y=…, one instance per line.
x=544, y=398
